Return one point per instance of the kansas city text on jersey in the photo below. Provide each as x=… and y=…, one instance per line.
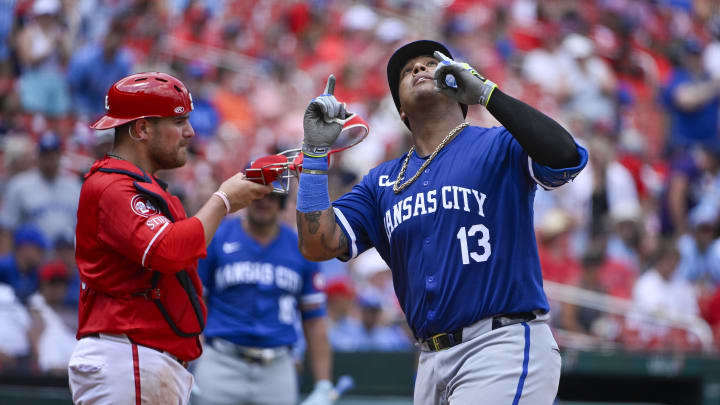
x=447, y=197
x=246, y=272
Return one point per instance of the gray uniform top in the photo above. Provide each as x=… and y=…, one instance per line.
x=51, y=206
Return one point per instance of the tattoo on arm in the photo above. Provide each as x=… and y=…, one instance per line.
x=331, y=237
x=341, y=247
x=313, y=221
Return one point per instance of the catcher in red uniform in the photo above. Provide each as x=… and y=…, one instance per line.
x=141, y=307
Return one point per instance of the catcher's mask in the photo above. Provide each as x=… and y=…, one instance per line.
x=279, y=169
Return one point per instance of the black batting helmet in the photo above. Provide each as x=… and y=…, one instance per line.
x=404, y=54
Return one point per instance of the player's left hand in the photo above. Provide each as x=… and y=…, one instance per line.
x=469, y=87
x=321, y=394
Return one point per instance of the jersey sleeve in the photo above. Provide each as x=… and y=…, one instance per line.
x=146, y=236
x=312, y=294
x=550, y=178
x=545, y=176
x=355, y=212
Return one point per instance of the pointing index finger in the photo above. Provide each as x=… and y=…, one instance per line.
x=441, y=57
x=330, y=86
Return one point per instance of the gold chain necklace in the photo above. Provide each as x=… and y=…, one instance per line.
x=397, y=187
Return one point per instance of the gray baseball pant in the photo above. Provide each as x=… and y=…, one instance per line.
x=514, y=365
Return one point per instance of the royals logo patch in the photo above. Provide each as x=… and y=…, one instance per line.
x=142, y=206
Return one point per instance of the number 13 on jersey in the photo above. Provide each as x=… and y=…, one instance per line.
x=483, y=242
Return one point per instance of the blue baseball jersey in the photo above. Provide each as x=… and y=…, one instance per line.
x=460, y=240
x=253, y=290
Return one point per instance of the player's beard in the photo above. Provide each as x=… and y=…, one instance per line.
x=262, y=221
x=167, y=157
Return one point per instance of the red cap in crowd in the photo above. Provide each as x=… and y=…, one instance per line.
x=55, y=270
x=339, y=287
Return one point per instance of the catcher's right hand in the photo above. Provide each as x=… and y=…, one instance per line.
x=323, y=121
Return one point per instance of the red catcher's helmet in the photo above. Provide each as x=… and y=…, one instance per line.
x=144, y=95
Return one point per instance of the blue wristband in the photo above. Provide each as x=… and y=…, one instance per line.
x=313, y=188
x=315, y=163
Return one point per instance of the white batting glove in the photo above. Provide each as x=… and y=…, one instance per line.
x=321, y=394
x=469, y=86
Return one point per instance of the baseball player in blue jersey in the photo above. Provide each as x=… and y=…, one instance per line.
x=453, y=218
x=256, y=280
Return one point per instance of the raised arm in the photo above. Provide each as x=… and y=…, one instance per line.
x=541, y=137
x=319, y=236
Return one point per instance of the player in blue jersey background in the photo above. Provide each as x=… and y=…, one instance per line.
x=256, y=280
x=453, y=218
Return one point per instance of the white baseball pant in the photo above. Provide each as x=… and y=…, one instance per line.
x=110, y=369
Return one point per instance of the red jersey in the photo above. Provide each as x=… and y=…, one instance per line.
x=137, y=254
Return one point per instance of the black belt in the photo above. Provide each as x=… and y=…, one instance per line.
x=182, y=362
x=446, y=340
x=237, y=351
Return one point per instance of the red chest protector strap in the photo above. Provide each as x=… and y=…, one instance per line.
x=144, y=185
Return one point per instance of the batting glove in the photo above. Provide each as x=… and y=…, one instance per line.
x=468, y=86
x=321, y=394
x=323, y=121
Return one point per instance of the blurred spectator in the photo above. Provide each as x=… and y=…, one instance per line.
x=711, y=313
x=94, y=68
x=699, y=259
x=374, y=275
x=603, y=274
x=64, y=252
x=342, y=323
x=7, y=9
x=658, y=296
x=15, y=349
x=693, y=174
x=546, y=65
x=557, y=262
x=626, y=237
x=43, y=47
x=56, y=337
x=43, y=197
x=19, y=268
x=691, y=98
x=613, y=187
x=591, y=84
x=367, y=333
x=374, y=335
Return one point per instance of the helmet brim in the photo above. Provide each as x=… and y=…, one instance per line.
x=107, y=122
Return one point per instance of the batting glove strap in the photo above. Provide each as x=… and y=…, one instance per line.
x=486, y=91
x=315, y=151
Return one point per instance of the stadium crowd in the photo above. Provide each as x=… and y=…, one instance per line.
x=636, y=81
